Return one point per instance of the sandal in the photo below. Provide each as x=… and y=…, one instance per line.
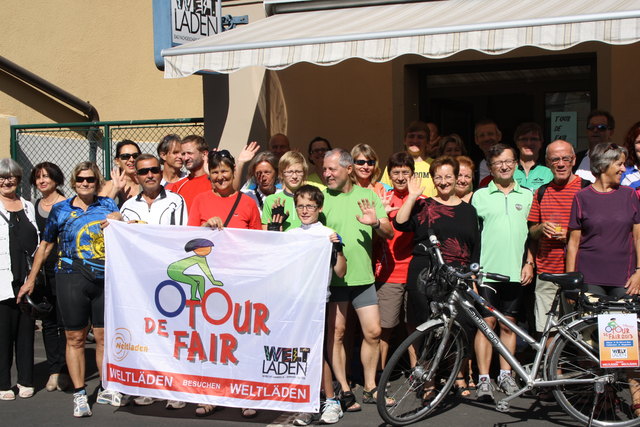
x=349, y=402
x=471, y=384
x=371, y=396
x=428, y=393
x=25, y=392
x=636, y=409
x=204, y=410
x=249, y=413
x=461, y=390
x=7, y=395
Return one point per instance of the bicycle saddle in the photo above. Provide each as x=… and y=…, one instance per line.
x=567, y=281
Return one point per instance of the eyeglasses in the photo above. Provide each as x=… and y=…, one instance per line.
x=557, y=160
x=291, y=173
x=8, y=179
x=310, y=208
x=397, y=174
x=508, y=163
x=319, y=150
x=223, y=153
x=443, y=178
x=527, y=139
x=127, y=156
x=89, y=179
x=365, y=162
x=153, y=170
x=600, y=128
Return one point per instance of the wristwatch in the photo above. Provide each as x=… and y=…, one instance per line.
x=531, y=263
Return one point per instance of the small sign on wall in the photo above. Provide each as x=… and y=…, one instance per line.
x=193, y=19
x=564, y=125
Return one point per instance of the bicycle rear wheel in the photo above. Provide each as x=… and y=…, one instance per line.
x=415, y=396
x=612, y=407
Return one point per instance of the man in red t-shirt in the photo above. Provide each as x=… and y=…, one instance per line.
x=194, y=153
x=549, y=221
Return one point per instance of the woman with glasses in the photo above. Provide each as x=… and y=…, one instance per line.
x=76, y=226
x=47, y=178
x=604, y=228
x=318, y=147
x=366, y=170
x=631, y=176
x=18, y=241
x=123, y=184
x=455, y=224
x=223, y=206
x=279, y=213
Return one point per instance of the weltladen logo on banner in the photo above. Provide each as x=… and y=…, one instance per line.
x=233, y=317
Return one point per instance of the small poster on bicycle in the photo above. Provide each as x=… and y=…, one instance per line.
x=618, y=334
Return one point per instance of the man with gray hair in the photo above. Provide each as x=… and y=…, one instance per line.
x=354, y=213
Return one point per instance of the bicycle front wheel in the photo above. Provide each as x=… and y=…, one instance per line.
x=577, y=358
x=416, y=381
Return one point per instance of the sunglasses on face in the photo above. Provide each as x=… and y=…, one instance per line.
x=153, y=170
x=601, y=128
x=365, y=162
x=89, y=179
x=127, y=156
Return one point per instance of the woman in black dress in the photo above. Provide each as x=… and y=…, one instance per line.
x=455, y=224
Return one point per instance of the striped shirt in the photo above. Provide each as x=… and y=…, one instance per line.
x=554, y=207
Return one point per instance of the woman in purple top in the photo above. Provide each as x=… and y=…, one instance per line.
x=604, y=228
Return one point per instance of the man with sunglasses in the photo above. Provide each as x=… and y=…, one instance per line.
x=194, y=153
x=600, y=126
x=154, y=205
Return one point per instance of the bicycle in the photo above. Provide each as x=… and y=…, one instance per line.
x=569, y=365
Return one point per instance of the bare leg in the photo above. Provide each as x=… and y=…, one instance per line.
x=508, y=338
x=99, y=334
x=384, y=346
x=75, y=356
x=484, y=350
x=335, y=341
x=370, y=322
x=327, y=380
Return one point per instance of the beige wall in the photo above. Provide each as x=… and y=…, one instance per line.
x=100, y=51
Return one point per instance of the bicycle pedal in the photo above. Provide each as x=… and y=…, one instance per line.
x=502, y=406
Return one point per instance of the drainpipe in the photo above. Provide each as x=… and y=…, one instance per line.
x=49, y=88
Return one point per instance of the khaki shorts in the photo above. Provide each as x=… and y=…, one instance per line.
x=391, y=298
x=545, y=293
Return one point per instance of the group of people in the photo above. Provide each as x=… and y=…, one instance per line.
x=514, y=211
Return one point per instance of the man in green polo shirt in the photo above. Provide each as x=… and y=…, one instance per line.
x=354, y=213
x=503, y=207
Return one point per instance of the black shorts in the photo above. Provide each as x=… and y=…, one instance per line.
x=609, y=291
x=80, y=300
x=506, y=297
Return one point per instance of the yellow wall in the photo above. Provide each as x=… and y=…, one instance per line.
x=100, y=51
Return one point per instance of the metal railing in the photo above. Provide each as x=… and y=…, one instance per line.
x=67, y=144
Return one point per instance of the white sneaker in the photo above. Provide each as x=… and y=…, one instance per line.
x=331, y=412
x=305, y=418
x=81, y=405
x=110, y=397
x=175, y=404
x=144, y=400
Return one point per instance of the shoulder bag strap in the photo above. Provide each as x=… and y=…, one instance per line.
x=233, y=209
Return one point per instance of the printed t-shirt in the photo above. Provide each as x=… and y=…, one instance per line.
x=189, y=188
x=555, y=207
x=78, y=232
x=289, y=207
x=422, y=172
x=538, y=175
x=606, y=254
x=209, y=204
x=631, y=177
x=584, y=169
x=339, y=213
x=166, y=209
x=504, y=228
x=392, y=257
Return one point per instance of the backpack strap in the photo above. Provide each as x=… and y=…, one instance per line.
x=583, y=183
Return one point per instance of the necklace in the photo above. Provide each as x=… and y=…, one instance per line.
x=52, y=203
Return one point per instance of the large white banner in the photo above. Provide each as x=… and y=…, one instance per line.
x=232, y=317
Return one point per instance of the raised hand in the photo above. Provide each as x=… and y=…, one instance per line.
x=248, y=153
x=368, y=216
x=386, y=202
x=415, y=186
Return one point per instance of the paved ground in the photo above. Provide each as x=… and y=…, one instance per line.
x=55, y=409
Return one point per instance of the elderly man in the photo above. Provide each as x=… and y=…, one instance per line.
x=170, y=153
x=194, y=153
x=600, y=127
x=549, y=221
x=154, y=205
x=354, y=213
x=486, y=134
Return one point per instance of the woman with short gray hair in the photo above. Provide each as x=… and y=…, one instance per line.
x=604, y=228
x=18, y=242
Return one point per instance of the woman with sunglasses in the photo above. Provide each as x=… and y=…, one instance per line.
x=18, y=241
x=47, y=178
x=366, y=170
x=222, y=207
x=76, y=226
x=123, y=184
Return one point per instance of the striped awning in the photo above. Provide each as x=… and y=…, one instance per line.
x=435, y=29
